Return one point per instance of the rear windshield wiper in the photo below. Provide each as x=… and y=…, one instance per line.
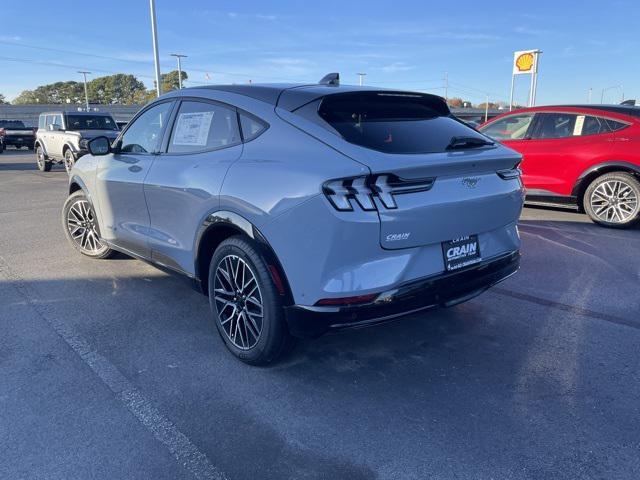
x=458, y=143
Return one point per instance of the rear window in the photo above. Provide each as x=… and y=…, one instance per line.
x=11, y=124
x=393, y=122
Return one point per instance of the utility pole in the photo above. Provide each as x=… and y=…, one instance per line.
x=179, y=56
x=154, y=35
x=86, y=94
x=486, y=107
x=360, y=78
x=610, y=88
x=446, y=86
x=589, y=95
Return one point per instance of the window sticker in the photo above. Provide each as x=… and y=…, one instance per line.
x=192, y=129
x=577, y=128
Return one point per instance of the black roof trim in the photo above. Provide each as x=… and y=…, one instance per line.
x=632, y=111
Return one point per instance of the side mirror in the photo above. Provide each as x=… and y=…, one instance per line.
x=99, y=146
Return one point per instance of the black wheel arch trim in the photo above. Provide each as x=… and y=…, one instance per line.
x=224, y=218
x=40, y=144
x=585, y=176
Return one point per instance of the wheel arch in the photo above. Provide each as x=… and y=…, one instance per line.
x=39, y=143
x=220, y=225
x=595, y=171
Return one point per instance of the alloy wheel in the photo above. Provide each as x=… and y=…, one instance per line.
x=238, y=302
x=40, y=158
x=68, y=161
x=614, y=201
x=82, y=227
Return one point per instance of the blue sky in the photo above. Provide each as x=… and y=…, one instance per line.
x=400, y=44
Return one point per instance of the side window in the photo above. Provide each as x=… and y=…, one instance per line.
x=615, y=125
x=41, y=121
x=251, y=127
x=513, y=127
x=588, y=125
x=57, y=120
x=555, y=125
x=203, y=126
x=143, y=135
x=49, y=120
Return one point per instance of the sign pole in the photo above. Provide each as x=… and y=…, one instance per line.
x=513, y=78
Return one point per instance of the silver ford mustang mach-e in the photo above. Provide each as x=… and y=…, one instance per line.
x=302, y=208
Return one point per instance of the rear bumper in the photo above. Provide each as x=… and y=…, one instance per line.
x=19, y=140
x=442, y=290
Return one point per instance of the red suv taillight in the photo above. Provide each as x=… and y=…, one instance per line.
x=343, y=192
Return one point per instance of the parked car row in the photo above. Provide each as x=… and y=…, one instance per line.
x=584, y=157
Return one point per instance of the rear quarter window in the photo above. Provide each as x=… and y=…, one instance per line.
x=393, y=122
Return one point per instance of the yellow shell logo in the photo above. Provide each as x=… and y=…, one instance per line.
x=524, y=62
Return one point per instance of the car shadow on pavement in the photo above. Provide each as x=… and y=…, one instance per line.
x=17, y=166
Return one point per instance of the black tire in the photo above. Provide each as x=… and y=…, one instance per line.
x=273, y=339
x=69, y=160
x=613, y=200
x=81, y=227
x=1, y=147
x=44, y=165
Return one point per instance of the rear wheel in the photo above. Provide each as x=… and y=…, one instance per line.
x=44, y=165
x=613, y=200
x=81, y=227
x=246, y=306
x=69, y=160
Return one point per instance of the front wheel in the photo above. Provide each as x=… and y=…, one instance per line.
x=245, y=303
x=44, y=165
x=81, y=227
x=613, y=200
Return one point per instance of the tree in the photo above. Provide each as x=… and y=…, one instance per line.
x=59, y=92
x=2, y=100
x=115, y=89
x=169, y=81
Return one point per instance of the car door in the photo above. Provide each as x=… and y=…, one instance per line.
x=184, y=183
x=120, y=176
x=562, y=145
x=56, y=136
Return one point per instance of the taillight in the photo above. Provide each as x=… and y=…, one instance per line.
x=2, y=132
x=510, y=173
x=343, y=192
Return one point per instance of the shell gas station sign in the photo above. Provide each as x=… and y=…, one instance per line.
x=525, y=62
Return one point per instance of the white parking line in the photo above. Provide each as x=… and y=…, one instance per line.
x=185, y=452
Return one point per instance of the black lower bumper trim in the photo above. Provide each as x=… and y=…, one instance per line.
x=442, y=290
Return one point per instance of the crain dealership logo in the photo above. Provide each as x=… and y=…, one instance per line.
x=470, y=182
x=394, y=237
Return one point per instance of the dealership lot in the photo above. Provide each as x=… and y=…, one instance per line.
x=113, y=369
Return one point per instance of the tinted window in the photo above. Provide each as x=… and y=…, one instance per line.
x=201, y=126
x=393, y=122
x=251, y=127
x=555, y=125
x=143, y=135
x=615, y=125
x=11, y=124
x=513, y=127
x=90, y=122
x=588, y=125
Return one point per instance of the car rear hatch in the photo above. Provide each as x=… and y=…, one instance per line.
x=433, y=179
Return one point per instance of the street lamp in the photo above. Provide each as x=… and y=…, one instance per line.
x=360, y=78
x=179, y=56
x=154, y=35
x=610, y=88
x=86, y=94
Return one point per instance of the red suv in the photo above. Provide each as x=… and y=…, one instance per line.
x=585, y=157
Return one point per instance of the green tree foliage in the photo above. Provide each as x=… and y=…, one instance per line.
x=169, y=81
x=112, y=89
x=2, y=100
x=115, y=89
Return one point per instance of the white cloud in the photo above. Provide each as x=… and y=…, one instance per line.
x=397, y=67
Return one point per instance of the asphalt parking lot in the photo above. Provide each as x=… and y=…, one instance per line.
x=113, y=369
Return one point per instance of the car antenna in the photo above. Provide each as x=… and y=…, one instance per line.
x=330, y=79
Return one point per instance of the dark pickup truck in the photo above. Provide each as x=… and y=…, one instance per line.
x=15, y=133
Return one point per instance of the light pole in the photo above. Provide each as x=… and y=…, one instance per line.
x=179, y=56
x=446, y=86
x=486, y=107
x=609, y=88
x=589, y=95
x=86, y=94
x=360, y=78
x=154, y=34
